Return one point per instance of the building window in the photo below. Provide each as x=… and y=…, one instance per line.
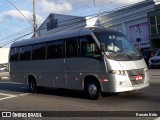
x=158, y=23
x=158, y=19
x=152, y=20
x=155, y=25
x=38, y=52
x=153, y=30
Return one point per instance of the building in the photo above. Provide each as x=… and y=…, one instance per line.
x=132, y=21
x=4, y=55
x=55, y=23
x=4, y=68
x=154, y=26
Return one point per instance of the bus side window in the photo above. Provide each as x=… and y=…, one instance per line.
x=14, y=54
x=71, y=47
x=55, y=49
x=38, y=52
x=25, y=53
x=88, y=47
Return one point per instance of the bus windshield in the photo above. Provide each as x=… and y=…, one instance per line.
x=117, y=47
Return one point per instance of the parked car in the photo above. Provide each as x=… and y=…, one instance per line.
x=4, y=73
x=148, y=54
x=154, y=62
x=3, y=69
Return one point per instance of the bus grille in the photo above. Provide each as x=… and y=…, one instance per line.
x=136, y=76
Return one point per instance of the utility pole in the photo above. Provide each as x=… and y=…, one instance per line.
x=34, y=18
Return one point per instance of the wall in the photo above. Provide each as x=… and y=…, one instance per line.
x=127, y=19
x=4, y=52
x=124, y=20
x=138, y=32
x=55, y=23
x=154, y=26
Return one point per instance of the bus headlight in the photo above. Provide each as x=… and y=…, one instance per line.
x=117, y=72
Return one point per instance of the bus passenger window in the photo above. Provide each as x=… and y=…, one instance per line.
x=38, y=52
x=25, y=53
x=14, y=54
x=54, y=50
x=88, y=47
x=71, y=48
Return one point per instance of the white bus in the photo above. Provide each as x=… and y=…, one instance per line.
x=93, y=59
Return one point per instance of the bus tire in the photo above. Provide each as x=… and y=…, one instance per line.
x=92, y=90
x=33, y=86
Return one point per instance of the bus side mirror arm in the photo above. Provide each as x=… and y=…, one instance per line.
x=102, y=47
x=102, y=50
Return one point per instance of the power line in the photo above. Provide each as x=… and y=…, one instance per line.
x=96, y=15
x=86, y=2
x=8, y=5
x=20, y=12
x=77, y=22
x=15, y=39
x=15, y=35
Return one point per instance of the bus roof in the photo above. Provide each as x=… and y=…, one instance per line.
x=71, y=33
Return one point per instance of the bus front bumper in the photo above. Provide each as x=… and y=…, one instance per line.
x=117, y=83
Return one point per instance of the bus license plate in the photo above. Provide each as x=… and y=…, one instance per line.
x=138, y=77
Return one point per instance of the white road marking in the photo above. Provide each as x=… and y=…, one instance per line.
x=5, y=98
x=23, y=94
x=8, y=96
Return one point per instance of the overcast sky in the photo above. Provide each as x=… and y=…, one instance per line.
x=13, y=24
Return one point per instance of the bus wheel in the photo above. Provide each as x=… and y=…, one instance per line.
x=33, y=86
x=92, y=90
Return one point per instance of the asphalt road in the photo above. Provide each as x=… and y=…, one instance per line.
x=16, y=97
